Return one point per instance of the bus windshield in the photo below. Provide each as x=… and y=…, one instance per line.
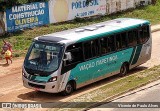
x=44, y=56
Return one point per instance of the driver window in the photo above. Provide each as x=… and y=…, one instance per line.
x=76, y=53
x=34, y=54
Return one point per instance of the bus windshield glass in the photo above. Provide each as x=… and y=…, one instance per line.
x=44, y=56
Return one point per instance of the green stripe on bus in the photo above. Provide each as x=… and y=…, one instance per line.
x=39, y=78
x=137, y=54
x=32, y=77
x=132, y=56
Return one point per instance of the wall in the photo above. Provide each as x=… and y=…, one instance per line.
x=41, y=13
x=74, y=8
x=2, y=23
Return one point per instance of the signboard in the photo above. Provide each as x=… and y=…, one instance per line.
x=63, y=10
x=27, y=16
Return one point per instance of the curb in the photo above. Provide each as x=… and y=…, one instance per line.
x=155, y=28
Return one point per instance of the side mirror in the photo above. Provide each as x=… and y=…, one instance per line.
x=67, y=56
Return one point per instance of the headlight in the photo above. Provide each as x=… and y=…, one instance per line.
x=24, y=74
x=52, y=79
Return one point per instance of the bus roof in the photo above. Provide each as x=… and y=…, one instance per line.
x=93, y=31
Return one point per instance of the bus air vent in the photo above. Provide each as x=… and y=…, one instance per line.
x=36, y=86
x=80, y=30
x=99, y=26
x=91, y=28
x=118, y=21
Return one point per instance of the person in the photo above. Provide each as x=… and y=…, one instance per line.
x=7, y=54
x=7, y=51
x=8, y=45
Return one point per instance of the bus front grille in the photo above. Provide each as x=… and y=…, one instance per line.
x=36, y=86
x=35, y=72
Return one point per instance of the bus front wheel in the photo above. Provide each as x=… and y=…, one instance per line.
x=68, y=89
x=123, y=70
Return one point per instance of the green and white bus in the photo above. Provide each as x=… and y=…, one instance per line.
x=68, y=60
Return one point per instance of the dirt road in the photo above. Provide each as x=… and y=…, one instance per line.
x=12, y=90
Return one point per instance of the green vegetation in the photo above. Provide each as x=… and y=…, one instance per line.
x=21, y=40
x=112, y=89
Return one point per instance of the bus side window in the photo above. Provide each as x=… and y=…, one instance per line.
x=111, y=43
x=87, y=50
x=91, y=49
x=118, y=42
x=143, y=34
x=135, y=37
x=76, y=53
x=104, y=45
x=95, y=48
x=132, y=38
x=140, y=35
x=124, y=39
x=146, y=32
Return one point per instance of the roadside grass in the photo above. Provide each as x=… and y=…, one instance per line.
x=21, y=40
x=110, y=90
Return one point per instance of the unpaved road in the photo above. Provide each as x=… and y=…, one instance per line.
x=12, y=90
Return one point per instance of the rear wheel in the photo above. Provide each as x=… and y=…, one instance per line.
x=68, y=89
x=123, y=70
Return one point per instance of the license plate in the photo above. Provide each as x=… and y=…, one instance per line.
x=37, y=89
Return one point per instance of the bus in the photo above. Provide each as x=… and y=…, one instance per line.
x=67, y=60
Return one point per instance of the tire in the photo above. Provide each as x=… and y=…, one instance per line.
x=68, y=89
x=123, y=70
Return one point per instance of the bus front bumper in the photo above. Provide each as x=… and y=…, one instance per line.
x=50, y=87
